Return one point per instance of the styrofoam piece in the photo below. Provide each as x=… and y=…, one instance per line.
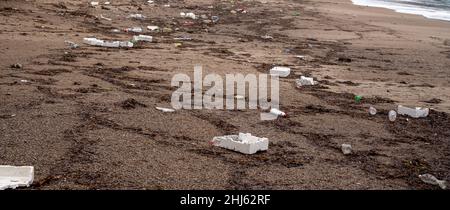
x=305, y=81
x=280, y=71
x=134, y=29
x=144, y=38
x=346, y=149
x=16, y=176
x=165, y=109
x=101, y=43
x=153, y=28
x=413, y=112
x=188, y=15
x=137, y=16
x=244, y=143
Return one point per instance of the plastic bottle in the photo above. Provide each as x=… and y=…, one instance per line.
x=392, y=115
x=277, y=112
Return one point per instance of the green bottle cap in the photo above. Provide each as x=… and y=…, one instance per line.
x=358, y=98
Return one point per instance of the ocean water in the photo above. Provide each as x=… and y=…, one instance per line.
x=434, y=9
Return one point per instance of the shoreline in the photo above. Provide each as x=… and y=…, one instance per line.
x=403, y=10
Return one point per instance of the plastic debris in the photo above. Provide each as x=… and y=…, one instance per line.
x=280, y=71
x=24, y=81
x=392, y=115
x=102, y=43
x=72, y=45
x=346, y=149
x=215, y=19
x=277, y=112
x=134, y=29
x=105, y=18
x=413, y=112
x=267, y=37
x=305, y=81
x=372, y=111
x=188, y=15
x=144, y=38
x=244, y=143
x=16, y=176
x=165, y=109
x=183, y=38
x=94, y=3
x=430, y=179
x=358, y=98
x=153, y=28
x=137, y=16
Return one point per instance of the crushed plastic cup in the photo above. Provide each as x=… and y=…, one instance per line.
x=392, y=115
x=372, y=111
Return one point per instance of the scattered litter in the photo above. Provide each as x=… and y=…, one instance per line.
x=107, y=3
x=244, y=143
x=277, y=112
x=305, y=81
x=183, y=38
x=134, y=29
x=165, y=109
x=167, y=30
x=415, y=113
x=233, y=11
x=102, y=43
x=94, y=3
x=178, y=44
x=16, y=176
x=267, y=37
x=430, y=179
x=203, y=16
x=115, y=31
x=215, y=19
x=16, y=66
x=72, y=45
x=346, y=149
x=105, y=18
x=280, y=71
x=166, y=5
x=358, y=98
x=153, y=28
x=188, y=15
x=24, y=81
x=392, y=115
x=150, y=2
x=137, y=16
x=372, y=111
x=144, y=38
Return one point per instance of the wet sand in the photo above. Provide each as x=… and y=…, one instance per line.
x=86, y=117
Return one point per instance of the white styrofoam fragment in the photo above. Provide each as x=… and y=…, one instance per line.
x=16, y=176
x=280, y=71
x=305, y=81
x=244, y=143
x=144, y=38
x=413, y=112
x=165, y=109
x=346, y=149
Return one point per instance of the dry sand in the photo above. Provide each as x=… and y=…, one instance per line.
x=86, y=118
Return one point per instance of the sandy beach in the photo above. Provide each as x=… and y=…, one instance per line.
x=85, y=118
